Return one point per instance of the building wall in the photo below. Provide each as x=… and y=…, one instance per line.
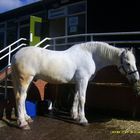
x=113, y=16
x=18, y=23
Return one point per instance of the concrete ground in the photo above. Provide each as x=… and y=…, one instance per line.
x=61, y=127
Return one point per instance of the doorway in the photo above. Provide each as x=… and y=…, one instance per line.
x=57, y=27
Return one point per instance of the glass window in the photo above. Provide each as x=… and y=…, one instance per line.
x=80, y=7
x=25, y=21
x=11, y=24
x=76, y=24
x=2, y=27
x=1, y=40
x=11, y=35
x=24, y=32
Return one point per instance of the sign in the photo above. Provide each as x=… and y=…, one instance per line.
x=73, y=21
x=73, y=24
x=73, y=29
x=56, y=13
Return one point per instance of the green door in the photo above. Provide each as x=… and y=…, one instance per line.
x=35, y=30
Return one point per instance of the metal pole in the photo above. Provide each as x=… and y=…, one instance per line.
x=6, y=74
x=91, y=37
x=9, y=57
x=54, y=43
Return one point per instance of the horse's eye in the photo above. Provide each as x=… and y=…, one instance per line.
x=128, y=64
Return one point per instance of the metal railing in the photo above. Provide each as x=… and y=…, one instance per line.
x=69, y=41
x=10, y=51
x=84, y=37
x=7, y=52
x=96, y=37
x=42, y=41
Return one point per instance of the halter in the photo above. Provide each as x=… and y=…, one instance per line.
x=122, y=66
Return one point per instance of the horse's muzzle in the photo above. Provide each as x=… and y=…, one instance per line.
x=136, y=88
x=133, y=81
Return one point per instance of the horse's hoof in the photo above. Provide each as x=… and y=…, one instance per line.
x=30, y=120
x=25, y=127
x=84, y=124
x=75, y=118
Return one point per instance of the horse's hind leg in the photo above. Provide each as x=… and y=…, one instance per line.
x=21, y=85
x=78, y=112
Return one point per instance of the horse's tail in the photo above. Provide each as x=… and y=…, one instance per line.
x=15, y=81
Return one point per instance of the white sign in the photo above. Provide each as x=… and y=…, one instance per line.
x=73, y=29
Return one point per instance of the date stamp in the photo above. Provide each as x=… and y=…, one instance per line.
x=117, y=132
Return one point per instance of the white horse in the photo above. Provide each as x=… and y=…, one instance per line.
x=76, y=64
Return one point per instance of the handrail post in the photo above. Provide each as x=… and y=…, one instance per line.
x=37, y=45
x=9, y=57
x=6, y=74
x=91, y=37
x=54, y=43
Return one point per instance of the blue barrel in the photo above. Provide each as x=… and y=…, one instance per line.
x=31, y=108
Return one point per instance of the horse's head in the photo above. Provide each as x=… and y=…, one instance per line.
x=128, y=67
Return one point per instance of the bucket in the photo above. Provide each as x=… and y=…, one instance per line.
x=31, y=108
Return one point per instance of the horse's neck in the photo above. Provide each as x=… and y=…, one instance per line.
x=106, y=55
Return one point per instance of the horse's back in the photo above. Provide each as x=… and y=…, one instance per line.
x=53, y=66
x=26, y=60
x=27, y=52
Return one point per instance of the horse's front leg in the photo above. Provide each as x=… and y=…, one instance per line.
x=82, y=87
x=27, y=117
x=21, y=113
x=74, y=110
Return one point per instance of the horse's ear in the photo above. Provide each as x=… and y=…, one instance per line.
x=126, y=50
x=131, y=49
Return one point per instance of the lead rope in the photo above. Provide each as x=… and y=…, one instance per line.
x=136, y=90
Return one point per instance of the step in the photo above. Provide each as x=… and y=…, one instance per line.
x=3, y=73
x=2, y=123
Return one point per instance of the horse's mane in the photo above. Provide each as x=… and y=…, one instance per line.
x=102, y=49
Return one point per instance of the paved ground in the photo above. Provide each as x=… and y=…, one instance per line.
x=63, y=128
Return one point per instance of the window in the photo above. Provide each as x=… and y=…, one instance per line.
x=74, y=24
x=11, y=35
x=76, y=8
x=11, y=24
x=24, y=32
x=1, y=40
x=2, y=26
x=67, y=22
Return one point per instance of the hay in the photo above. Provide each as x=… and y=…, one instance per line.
x=125, y=125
